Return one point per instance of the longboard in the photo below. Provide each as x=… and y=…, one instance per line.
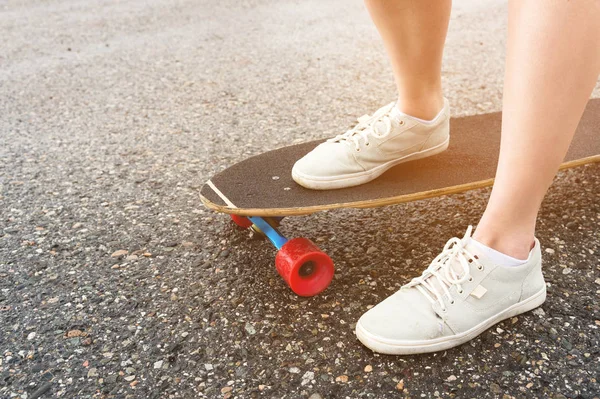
x=259, y=191
x=262, y=185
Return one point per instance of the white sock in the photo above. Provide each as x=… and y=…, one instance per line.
x=398, y=112
x=496, y=256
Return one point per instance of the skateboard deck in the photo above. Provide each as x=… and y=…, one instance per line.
x=262, y=185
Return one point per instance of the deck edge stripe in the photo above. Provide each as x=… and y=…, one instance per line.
x=220, y=194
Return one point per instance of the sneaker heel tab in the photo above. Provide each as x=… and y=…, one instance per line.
x=446, y=109
x=536, y=251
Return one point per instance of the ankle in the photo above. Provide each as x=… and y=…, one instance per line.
x=426, y=106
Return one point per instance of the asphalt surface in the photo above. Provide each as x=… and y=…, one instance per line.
x=116, y=283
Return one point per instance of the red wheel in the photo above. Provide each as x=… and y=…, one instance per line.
x=305, y=268
x=241, y=221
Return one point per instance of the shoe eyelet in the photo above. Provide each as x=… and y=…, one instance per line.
x=367, y=144
x=470, y=278
x=358, y=150
x=461, y=291
x=480, y=267
x=452, y=302
x=401, y=123
x=444, y=310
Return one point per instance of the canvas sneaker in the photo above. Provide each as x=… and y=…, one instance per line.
x=459, y=296
x=374, y=145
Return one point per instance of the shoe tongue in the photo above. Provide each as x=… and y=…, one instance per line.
x=396, y=114
x=377, y=124
x=379, y=127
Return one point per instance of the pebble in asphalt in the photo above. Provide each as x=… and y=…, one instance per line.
x=116, y=283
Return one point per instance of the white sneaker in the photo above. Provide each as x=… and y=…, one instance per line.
x=457, y=297
x=374, y=145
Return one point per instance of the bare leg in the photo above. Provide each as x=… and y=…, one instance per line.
x=553, y=61
x=414, y=32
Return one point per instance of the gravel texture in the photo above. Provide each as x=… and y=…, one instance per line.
x=116, y=283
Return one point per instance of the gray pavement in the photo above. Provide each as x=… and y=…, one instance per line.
x=113, y=114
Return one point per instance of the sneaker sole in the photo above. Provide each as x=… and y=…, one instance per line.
x=356, y=179
x=391, y=347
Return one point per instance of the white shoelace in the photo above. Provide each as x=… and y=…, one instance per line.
x=442, y=269
x=366, y=127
